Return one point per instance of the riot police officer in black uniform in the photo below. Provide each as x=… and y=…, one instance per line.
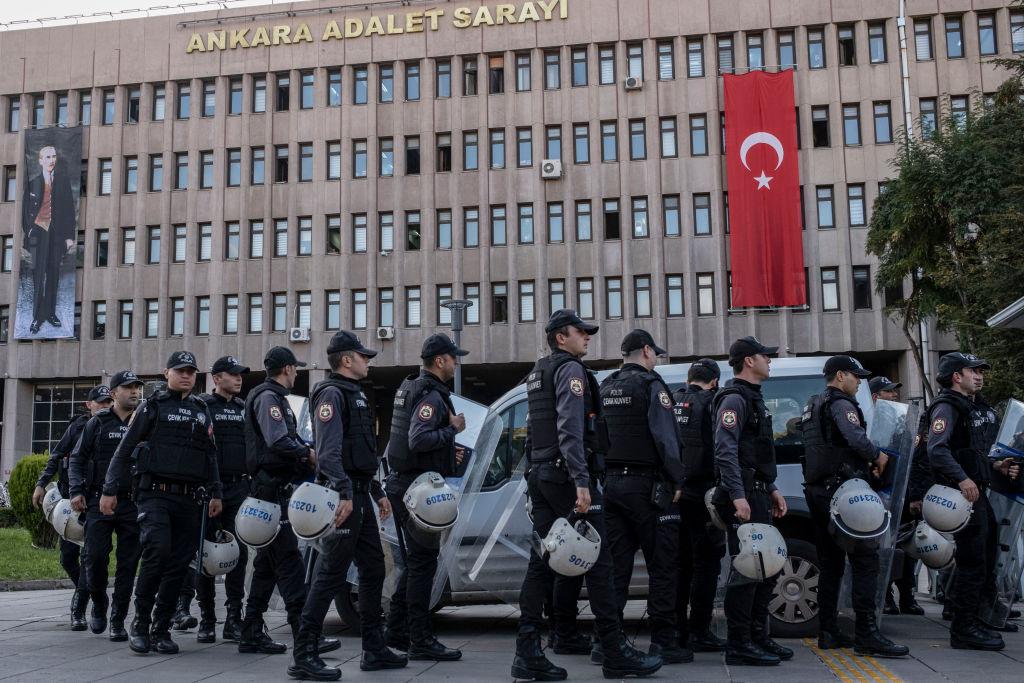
x=566, y=443
x=701, y=543
x=836, y=449
x=170, y=443
x=228, y=413
x=423, y=429
x=644, y=480
x=88, y=470
x=746, y=492
x=346, y=447
x=98, y=399
x=276, y=456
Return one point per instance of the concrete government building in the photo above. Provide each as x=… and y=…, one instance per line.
x=348, y=164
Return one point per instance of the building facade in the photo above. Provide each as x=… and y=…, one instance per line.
x=253, y=176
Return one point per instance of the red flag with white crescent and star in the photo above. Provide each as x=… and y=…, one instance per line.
x=765, y=240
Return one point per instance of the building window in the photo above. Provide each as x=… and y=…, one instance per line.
x=62, y=109
x=469, y=76
x=181, y=170
x=255, y=313
x=359, y=157
x=522, y=72
x=855, y=204
x=127, y=246
x=585, y=298
x=876, y=43
x=84, y=108
x=471, y=293
x=153, y=244
x=635, y=60
x=333, y=160
x=359, y=309
x=280, y=163
x=444, y=314
x=958, y=110
x=126, y=312
x=609, y=142
x=7, y=257
x=606, y=64
x=581, y=143
x=471, y=226
x=10, y=183
x=282, y=101
x=555, y=229
x=666, y=61
x=412, y=81
x=152, y=318
x=819, y=126
x=156, y=172
x=386, y=231
x=231, y=314
x=108, y=107
x=106, y=173
x=923, y=39
x=987, y=34
x=499, y=302
x=235, y=96
x=332, y=309
x=280, y=304
x=670, y=215
x=304, y=310
x=334, y=87
x=205, y=252
x=524, y=147
x=826, y=215
x=386, y=92
x=637, y=139
x=695, y=57
x=698, y=135
x=584, y=232
x=579, y=67
x=13, y=114
x=883, y=123
x=334, y=234
x=893, y=295
x=830, y=289
x=305, y=162
x=496, y=74
x=359, y=233
x=202, y=315
x=280, y=237
x=954, y=37
x=259, y=95
x=499, y=232
x=640, y=219
x=527, y=313
x=412, y=155
x=255, y=239
x=497, y=143
x=232, y=241
x=306, y=89
x=851, y=124
x=553, y=142
x=787, y=49
x=556, y=295
x=847, y=46
x=1017, y=31
x=642, y=296
x=861, y=287
x=443, y=78
x=102, y=248
x=525, y=223
x=674, y=296
x=234, y=168
x=702, y=214
x=99, y=320
x=552, y=71
x=705, y=293
x=928, y=116
x=205, y=170
x=755, y=51
x=360, y=84
x=305, y=245
x=725, y=54
x=612, y=228
x=444, y=152
x=180, y=241
x=816, y=48
x=209, y=99
x=258, y=169
x=134, y=103
x=184, y=103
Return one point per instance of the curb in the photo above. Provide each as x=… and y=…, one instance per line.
x=36, y=585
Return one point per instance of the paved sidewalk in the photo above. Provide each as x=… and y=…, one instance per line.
x=36, y=645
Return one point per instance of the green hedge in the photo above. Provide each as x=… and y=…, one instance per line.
x=23, y=481
x=8, y=520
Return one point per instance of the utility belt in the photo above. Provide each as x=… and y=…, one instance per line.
x=148, y=482
x=633, y=471
x=752, y=482
x=266, y=486
x=595, y=464
x=232, y=478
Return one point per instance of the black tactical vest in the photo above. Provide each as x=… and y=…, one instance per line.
x=826, y=450
x=696, y=436
x=987, y=421
x=176, y=448
x=72, y=434
x=400, y=458
x=540, y=392
x=359, y=443
x=229, y=432
x=109, y=430
x=967, y=441
x=625, y=400
x=756, y=445
x=258, y=455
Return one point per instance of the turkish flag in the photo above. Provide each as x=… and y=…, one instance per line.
x=765, y=239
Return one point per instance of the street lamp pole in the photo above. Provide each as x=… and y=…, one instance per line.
x=458, y=308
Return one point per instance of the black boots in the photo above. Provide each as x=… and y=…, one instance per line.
x=79, y=599
x=773, y=648
x=138, y=636
x=749, y=653
x=665, y=644
x=398, y=641
x=833, y=639
x=572, y=644
x=183, y=621
x=910, y=606
x=306, y=663
x=254, y=637
x=207, y=632
x=624, y=660
x=233, y=624
x=890, y=604
x=117, y=615
x=967, y=634
x=870, y=641
x=530, y=664
x=430, y=648
x=160, y=638
x=705, y=641
x=98, y=614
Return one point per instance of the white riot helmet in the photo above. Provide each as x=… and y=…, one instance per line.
x=50, y=500
x=712, y=510
x=569, y=549
x=857, y=512
x=433, y=506
x=311, y=511
x=762, y=551
x=934, y=549
x=257, y=522
x=220, y=556
x=69, y=524
x=945, y=509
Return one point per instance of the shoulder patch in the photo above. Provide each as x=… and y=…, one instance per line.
x=275, y=413
x=576, y=386
x=851, y=415
x=665, y=399
x=939, y=426
x=729, y=419
x=325, y=412
x=426, y=412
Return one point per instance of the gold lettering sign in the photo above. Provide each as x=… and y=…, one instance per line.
x=381, y=25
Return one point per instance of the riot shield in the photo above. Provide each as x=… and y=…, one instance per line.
x=1007, y=500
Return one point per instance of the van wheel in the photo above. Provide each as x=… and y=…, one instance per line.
x=794, y=602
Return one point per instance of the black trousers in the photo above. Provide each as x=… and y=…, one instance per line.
x=410, y=603
x=278, y=564
x=746, y=602
x=99, y=531
x=169, y=533
x=976, y=549
x=832, y=564
x=357, y=540
x=46, y=257
x=71, y=561
x=635, y=523
x=553, y=495
x=906, y=582
x=701, y=549
x=234, y=583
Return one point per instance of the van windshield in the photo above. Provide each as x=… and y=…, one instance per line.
x=786, y=398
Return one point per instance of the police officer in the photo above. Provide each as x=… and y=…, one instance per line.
x=644, y=480
x=566, y=443
x=746, y=492
x=98, y=399
x=346, y=447
x=88, y=470
x=227, y=411
x=701, y=543
x=837, y=448
x=423, y=429
x=170, y=443
x=276, y=456
x=958, y=455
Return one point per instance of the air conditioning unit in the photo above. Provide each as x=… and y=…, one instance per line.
x=550, y=169
x=634, y=83
x=385, y=253
x=298, y=334
x=385, y=333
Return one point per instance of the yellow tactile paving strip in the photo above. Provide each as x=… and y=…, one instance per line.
x=851, y=668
